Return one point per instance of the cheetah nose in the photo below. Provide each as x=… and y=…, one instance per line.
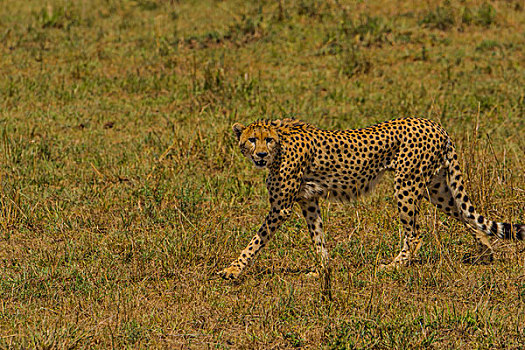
x=261, y=154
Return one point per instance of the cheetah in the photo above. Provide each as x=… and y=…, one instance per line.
x=306, y=164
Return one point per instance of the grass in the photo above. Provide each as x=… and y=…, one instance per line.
x=122, y=191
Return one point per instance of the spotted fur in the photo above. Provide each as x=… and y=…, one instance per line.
x=306, y=163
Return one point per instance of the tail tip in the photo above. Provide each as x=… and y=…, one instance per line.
x=513, y=231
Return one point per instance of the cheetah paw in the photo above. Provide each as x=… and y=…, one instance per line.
x=312, y=274
x=230, y=273
x=389, y=267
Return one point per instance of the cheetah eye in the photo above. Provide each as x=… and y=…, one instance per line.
x=252, y=139
x=268, y=140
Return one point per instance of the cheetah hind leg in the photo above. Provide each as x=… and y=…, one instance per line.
x=441, y=196
x=408, y=195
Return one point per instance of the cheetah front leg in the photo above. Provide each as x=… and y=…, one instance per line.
x=314, y=221
x=282, y=199
x=270, y=225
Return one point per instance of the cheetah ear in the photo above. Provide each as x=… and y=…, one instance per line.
x=277, y=123
x=238, y=129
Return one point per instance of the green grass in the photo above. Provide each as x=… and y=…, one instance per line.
x=122, y=191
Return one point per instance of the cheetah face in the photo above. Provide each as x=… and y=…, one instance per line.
x=258, y=142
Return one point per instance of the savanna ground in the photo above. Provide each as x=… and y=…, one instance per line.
x=123, y=192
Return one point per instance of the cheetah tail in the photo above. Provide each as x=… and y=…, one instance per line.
x=492, y=228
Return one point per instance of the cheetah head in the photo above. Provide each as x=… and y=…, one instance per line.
x=258, y=141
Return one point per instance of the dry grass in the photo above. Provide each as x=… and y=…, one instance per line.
x=122, y=191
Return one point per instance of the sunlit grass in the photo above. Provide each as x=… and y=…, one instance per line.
x=122, y=191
